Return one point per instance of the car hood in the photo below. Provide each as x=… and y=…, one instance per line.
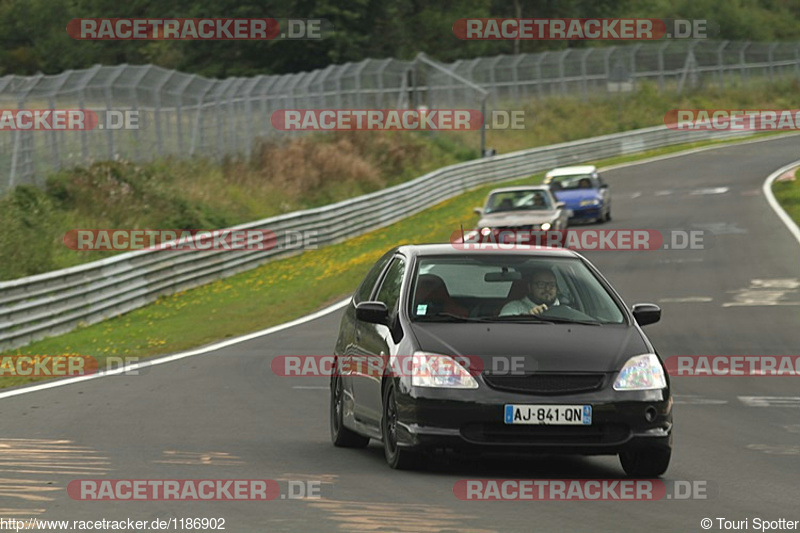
x=575, y=197
x=516, y=218
x=544, y=347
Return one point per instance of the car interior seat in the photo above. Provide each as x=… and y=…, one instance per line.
x=432, y=291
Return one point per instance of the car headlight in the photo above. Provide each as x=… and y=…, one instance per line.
x=545, y=226
x=433, y=370
x=486, y=231
x=642, y=372
x=594, y=202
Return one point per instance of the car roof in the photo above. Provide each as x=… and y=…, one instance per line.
x=544, y=188
x=569, y=171
x=422, y=250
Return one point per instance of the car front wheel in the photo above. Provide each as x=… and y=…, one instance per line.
x=645, y=462
x=398, y=458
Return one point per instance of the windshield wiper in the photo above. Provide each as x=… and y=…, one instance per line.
x=562, y=320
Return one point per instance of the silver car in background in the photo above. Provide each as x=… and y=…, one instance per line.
x=522, y=208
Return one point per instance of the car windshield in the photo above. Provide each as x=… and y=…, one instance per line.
x=503, y=288
x=577, y=181
x=525, y=200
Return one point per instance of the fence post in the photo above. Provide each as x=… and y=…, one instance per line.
x=157, y=97
x=51, y=101
x=633, y=52
x=661, y=49
x=561, y=73
x=742, y=63
x=197, y=129
x=584, y=75
x=720, y=66
x=769, y=58
x=357, y=76
x=107, y=93
x=179, y=91
x=381, y=68
x=515, y=76
x=538, y=67
x=145, y=70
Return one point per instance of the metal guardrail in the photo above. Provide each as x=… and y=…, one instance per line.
x=50, y=304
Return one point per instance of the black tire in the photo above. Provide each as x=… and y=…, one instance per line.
x=398, y=458
x=340, y=435
x=645, y=462
x=608, y=215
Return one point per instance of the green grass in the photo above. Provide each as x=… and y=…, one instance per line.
x=274, y=293
x=788, y=195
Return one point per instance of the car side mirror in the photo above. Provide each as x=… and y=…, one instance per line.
x=478, y=211
x=646, y=314
x=561, y=205
x=372, y=312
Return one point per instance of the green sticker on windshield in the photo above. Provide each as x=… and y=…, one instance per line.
x=422, y=309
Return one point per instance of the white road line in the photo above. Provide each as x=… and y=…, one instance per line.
x=710, y=190
x=307, y=387
x=770, y=401
x=177, y=356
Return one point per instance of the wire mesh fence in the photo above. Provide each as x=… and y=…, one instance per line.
x=184, y=115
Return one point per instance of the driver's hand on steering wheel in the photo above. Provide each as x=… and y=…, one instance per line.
x=538, y=309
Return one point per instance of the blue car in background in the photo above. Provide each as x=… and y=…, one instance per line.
x=583, y=191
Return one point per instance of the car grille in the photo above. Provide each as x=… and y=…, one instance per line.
x=544, y=383
x=514, y=228
x=524, y=434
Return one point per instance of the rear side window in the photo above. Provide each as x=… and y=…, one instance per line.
x=365, y=290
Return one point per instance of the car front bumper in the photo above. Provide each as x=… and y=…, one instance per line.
x=474, y=419
x=586, y=213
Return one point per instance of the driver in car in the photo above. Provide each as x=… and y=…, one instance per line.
x=541, y=295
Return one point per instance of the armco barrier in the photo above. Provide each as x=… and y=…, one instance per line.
x=50, y=304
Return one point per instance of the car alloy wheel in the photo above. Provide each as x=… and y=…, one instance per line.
x=398, y=457
x=340, y=435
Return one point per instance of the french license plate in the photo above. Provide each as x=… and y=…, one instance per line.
x=557, y=415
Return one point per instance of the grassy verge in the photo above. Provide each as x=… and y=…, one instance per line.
x=788, y=195
x=271, y=294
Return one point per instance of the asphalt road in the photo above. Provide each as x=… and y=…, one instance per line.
x=226, y=415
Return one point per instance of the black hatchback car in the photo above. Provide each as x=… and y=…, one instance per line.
x=520, y=350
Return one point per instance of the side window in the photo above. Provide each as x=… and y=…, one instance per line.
x=389, y=292
x=364, y=291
